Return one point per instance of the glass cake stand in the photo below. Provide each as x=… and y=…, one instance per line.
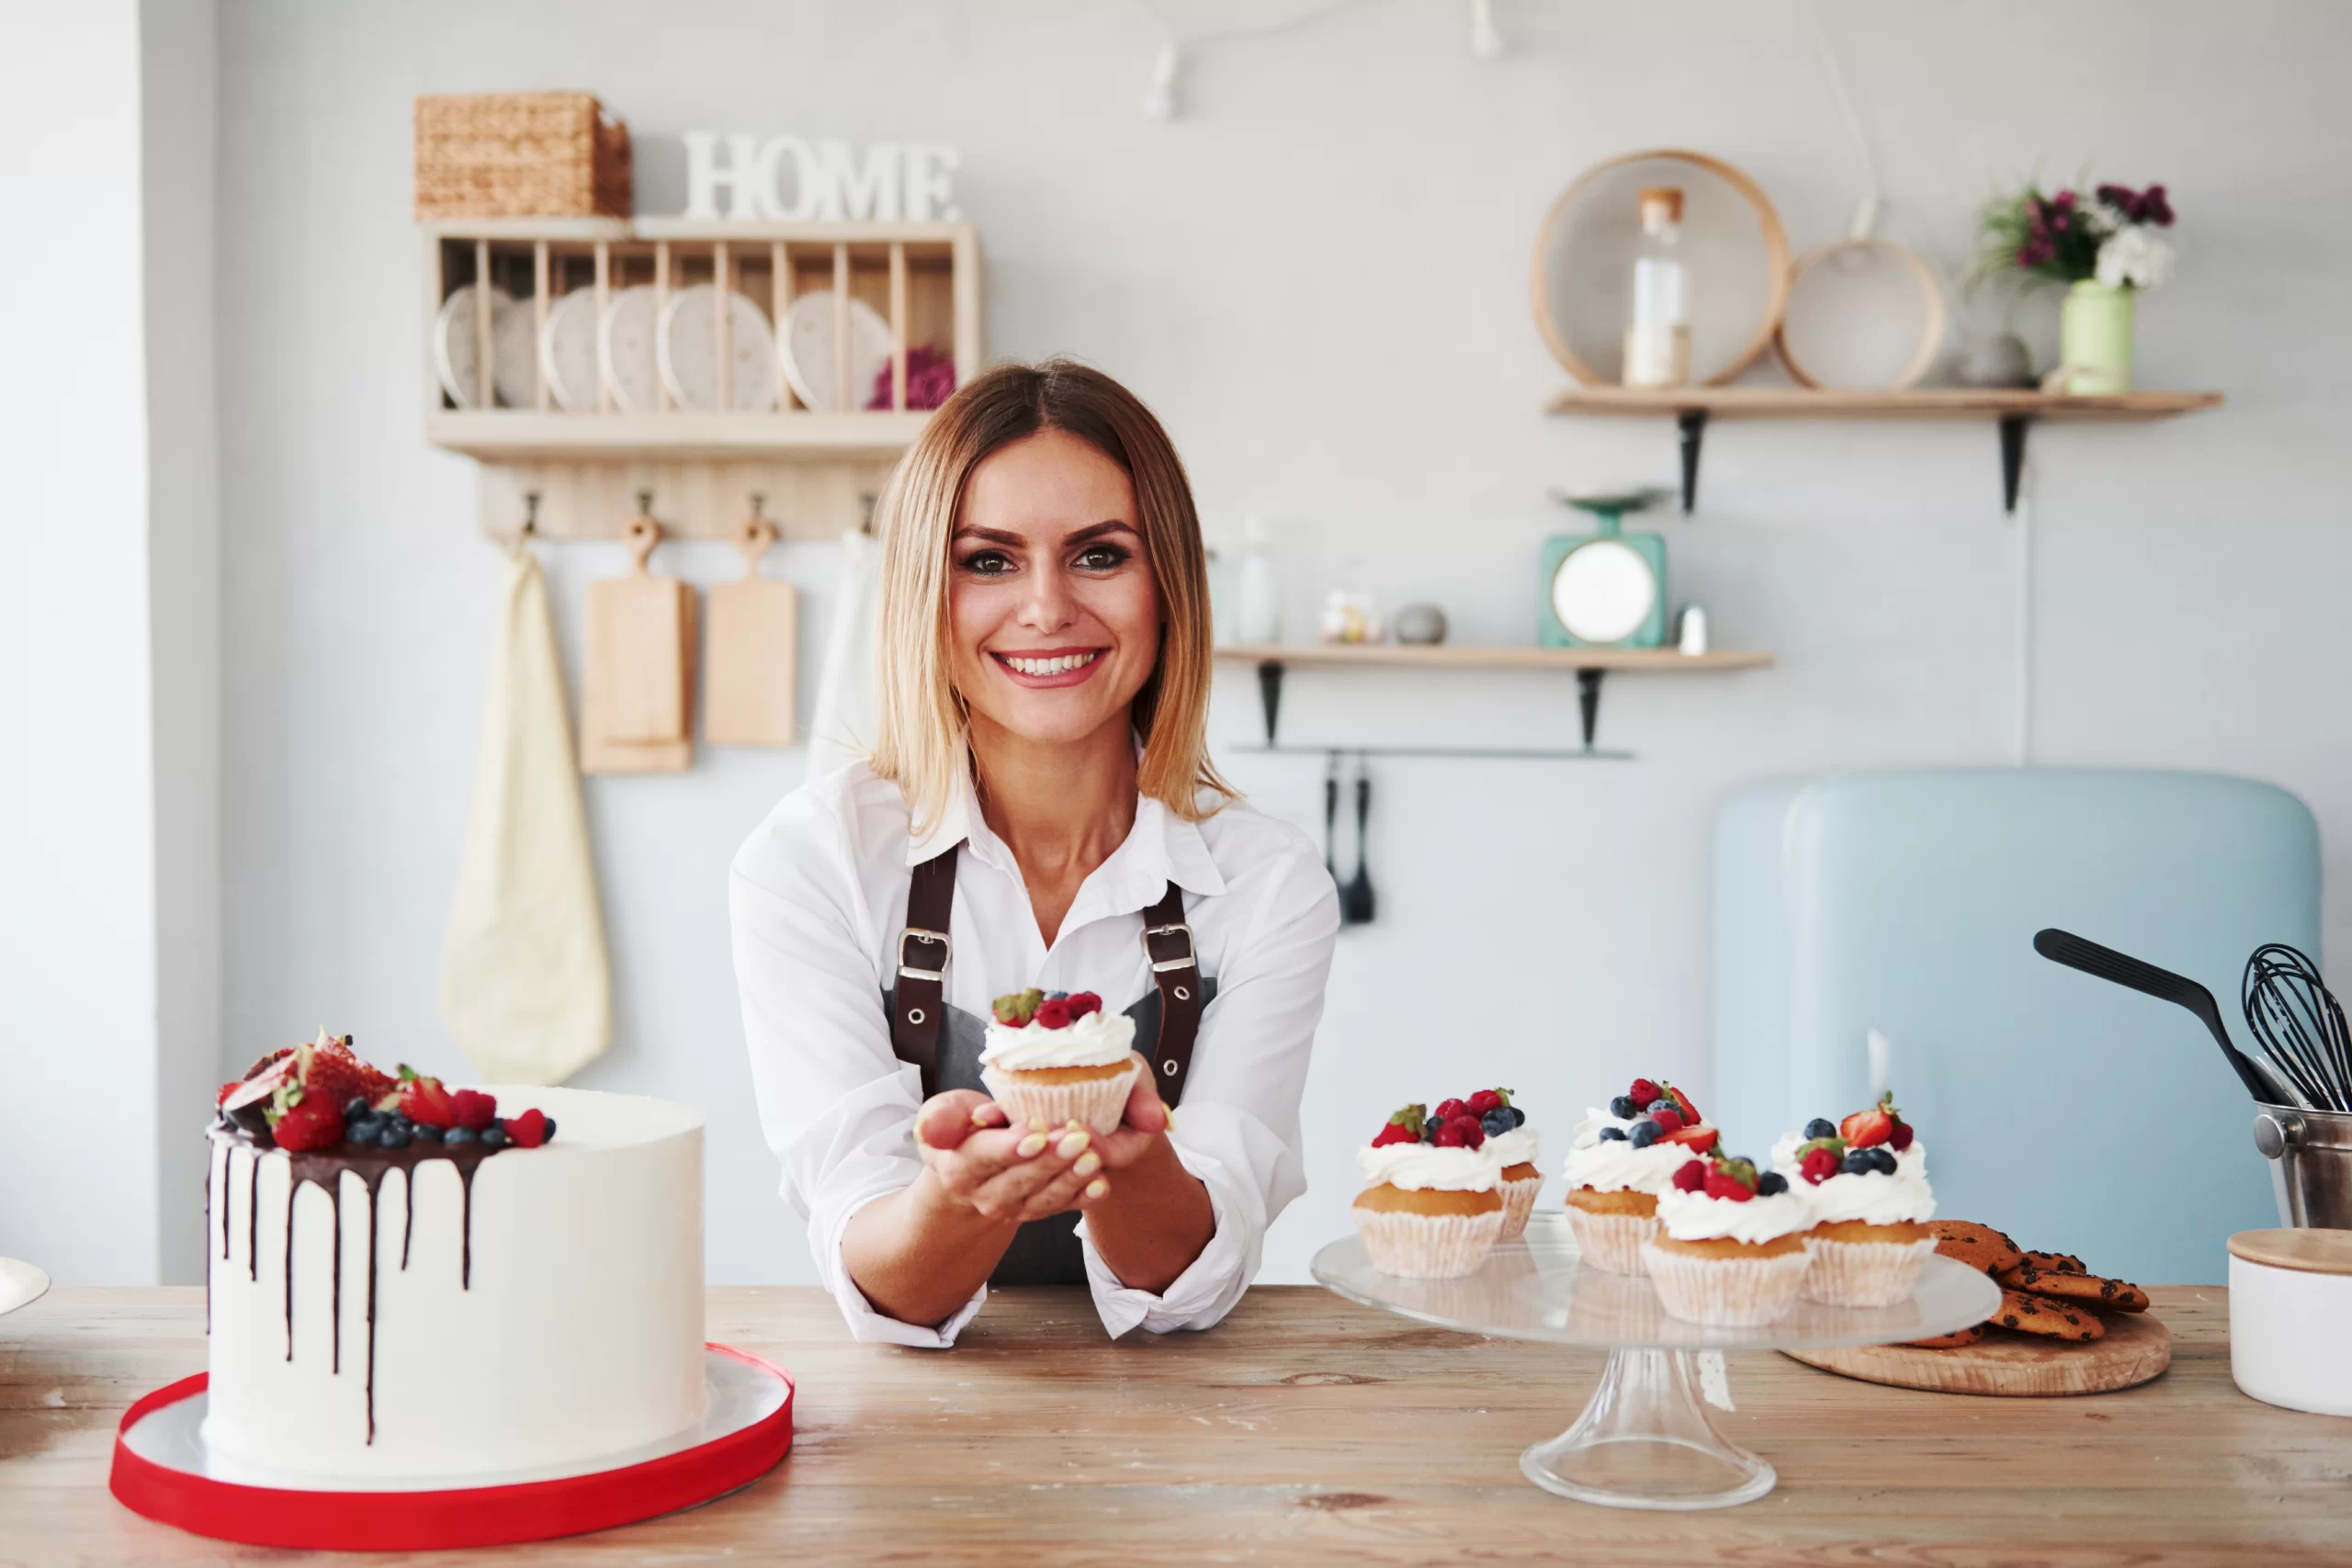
x=1644, y=1440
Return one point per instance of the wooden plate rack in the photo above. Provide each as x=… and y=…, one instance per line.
x=817, y=470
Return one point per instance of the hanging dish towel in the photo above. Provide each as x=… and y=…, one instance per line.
x=843, y=726
x=524, y=982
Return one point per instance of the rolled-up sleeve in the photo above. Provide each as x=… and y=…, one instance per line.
x=837, y=1106
x=1237, y=1127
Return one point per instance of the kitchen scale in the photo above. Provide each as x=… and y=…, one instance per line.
x=1605, y=588
x=1644, y=1440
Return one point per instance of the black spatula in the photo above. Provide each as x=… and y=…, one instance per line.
x=2078, y=952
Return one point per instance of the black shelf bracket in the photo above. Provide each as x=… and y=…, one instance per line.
x=1270, y=701
x=2013, y=429
x=1692, y=423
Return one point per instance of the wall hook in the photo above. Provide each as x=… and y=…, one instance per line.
x=645, y=503
x=530, y=514
x=758, y=501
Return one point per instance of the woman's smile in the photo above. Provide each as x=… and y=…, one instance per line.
x=1044, y=668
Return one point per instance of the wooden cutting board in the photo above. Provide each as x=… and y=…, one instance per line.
x=751, y=657
x=634, y=703
x=2136, y=1349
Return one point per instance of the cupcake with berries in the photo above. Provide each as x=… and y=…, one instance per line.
x=1622, y=1160
x=1430, y=1208
x=1731, y=1249
x=1051, y=1058
x=1515, y=1146
x=1866, y=1179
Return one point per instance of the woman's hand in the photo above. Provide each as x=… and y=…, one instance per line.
x=1142, y=1125
x=977, y=1160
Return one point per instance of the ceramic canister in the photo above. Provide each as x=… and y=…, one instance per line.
x=2291, y=1295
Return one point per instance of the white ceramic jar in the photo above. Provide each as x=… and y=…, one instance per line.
x=2291, y=1300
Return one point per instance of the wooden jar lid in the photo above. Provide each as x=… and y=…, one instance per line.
x=2305, y=1251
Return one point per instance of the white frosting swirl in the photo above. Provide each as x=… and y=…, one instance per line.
x=1694, y=1216
x=1517, y=1146
x=1097, y=1040
x=1418, y=1167
x=1615, y=1164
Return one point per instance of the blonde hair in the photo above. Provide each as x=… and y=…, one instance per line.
x=922, y=720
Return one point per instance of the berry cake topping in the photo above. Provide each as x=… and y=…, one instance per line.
x=1047, y=1010
x=1864, y=1144
x=1449, y=1126
x=321, y=1096
x=1659, y=1113
x=1733, y=1180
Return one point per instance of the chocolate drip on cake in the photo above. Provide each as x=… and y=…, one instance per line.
x=408, y=1216
x=252, y=1212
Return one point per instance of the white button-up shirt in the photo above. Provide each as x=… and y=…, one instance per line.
x=819, y=894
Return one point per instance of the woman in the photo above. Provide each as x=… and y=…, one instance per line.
x=1039, y=810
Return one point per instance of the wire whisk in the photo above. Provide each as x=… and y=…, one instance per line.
x=2296, y=1020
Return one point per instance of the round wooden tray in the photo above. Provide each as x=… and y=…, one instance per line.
x=1768, y=223
x=1931, y=296
x=2137, y=1348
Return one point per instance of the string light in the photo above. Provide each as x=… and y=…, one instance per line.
x=1160, y=103
x=1485, y=38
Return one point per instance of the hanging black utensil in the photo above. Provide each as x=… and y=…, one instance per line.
x=1355, y=898
x=2078, y=952
x=1331, y=817
x=2298, y=1024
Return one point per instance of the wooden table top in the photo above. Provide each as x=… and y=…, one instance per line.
x=1304, y=1429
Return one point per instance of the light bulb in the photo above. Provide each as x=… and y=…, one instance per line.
x=1161, y=102
x=1486, y=40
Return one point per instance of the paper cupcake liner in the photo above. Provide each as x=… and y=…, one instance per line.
x=1865, y=1273
x=1613, y=1242
x=1519, y=1202
x=1728, y=1293
x=1097, y=1103
x=1427, y=1247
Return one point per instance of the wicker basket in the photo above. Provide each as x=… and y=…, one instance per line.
x=520, y=156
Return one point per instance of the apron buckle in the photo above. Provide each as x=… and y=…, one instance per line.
x=917, y=933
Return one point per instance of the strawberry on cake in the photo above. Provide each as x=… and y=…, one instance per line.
x=1620, y=1160
x=1731, y=1248
x=1429, y=1208
x=525, y=1297
x=1866, y=1179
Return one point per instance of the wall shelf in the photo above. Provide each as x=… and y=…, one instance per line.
x=818, y=467
x=1589, y=664
x=2014, y=410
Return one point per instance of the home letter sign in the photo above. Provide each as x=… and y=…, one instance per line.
x=827, y=180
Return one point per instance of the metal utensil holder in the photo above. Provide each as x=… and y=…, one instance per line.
x=2311, y=1165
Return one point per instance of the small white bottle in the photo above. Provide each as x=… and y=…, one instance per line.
x=1658, y=340
x=1257, y=610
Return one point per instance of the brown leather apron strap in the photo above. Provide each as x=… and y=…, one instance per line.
x=919, y=990
x=1176, y=970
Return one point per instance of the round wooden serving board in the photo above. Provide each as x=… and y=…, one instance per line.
x=2136, y=1349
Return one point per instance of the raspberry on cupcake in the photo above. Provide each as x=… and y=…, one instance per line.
x=1429, y=1208
x=1622, y=1160
x=1731, y=1249
x=1866, y=1179
x=1051, y=1059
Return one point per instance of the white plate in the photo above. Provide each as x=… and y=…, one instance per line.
x=21, y=1285
x=624, y=348
x=568, y=355
x=457, y=354
x=689, y=352
x=808, y=350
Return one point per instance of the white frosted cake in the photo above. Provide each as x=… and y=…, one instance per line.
x=520, y=1297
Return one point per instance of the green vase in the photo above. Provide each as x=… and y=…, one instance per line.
x=2095, y=339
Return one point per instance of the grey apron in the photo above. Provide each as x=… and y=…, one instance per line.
x=944, y=1043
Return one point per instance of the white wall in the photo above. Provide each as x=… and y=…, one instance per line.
x=78, y=1039
x=1317, y=276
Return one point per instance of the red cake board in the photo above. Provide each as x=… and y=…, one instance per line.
x=483, y=1515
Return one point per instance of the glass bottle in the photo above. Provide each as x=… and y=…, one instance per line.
x=1657, y=341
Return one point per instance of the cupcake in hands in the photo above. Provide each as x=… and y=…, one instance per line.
x=1731, y=1248
x=1054, y=1059
x=1866, y=1180
x=1622, y=1160
x=1515, y=1148
x=1430, y=1208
